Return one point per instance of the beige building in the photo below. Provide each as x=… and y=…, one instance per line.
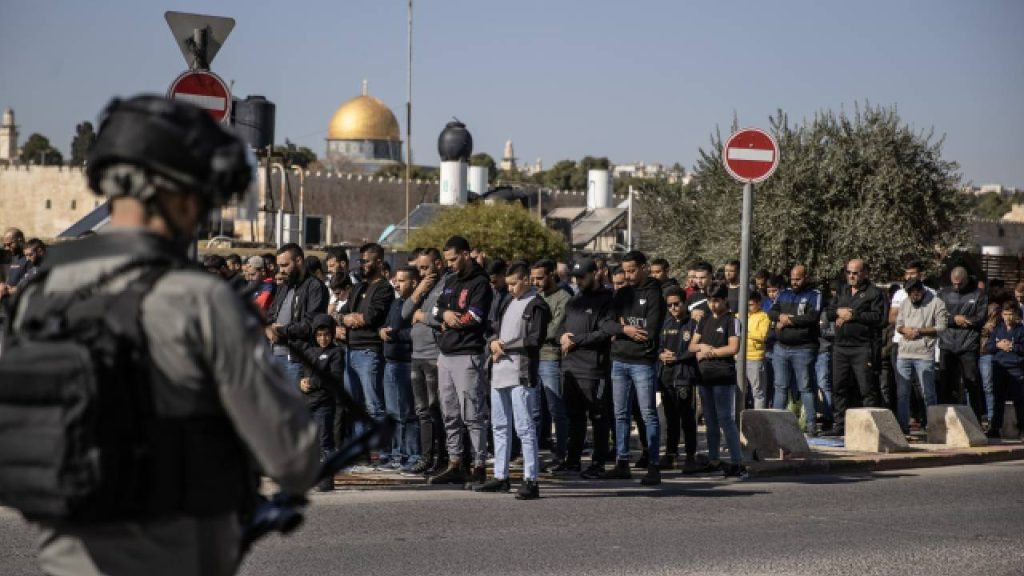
x=8, y=138
x=43, y=201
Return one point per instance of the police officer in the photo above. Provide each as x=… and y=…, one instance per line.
x=163, y=165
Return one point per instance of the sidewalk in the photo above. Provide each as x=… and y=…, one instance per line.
x=824, y=459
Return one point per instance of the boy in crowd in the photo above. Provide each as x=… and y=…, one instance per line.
x=321, y=392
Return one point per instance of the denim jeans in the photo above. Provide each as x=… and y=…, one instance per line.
x=355, y=391
x=517, y=402
x=987, y=383
x=368, y=369
x=628, y=379
x=398, y=400
x=719, y=403
x=551, y=380
x=905, y=369
x=291, y=370
x=823, y=377
x=793, y=368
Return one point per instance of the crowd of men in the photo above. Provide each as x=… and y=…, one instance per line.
x=470, y=358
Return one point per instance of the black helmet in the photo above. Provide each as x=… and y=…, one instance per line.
x=176, y=144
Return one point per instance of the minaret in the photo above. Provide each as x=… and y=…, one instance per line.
x=366, y=89
x=8, y=137
x=508, y=161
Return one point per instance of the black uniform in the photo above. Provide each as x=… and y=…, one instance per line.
x=677, y=381
x=855, y=349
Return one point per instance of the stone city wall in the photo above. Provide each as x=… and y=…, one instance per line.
x=43, y=200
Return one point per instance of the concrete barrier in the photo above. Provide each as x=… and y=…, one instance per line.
x=874, y=430
x=955, y=426
x=771, y=433
x=1010, y=429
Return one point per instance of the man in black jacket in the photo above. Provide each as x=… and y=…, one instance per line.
x=462, y=309
x=296, y=304
x=586, y=366
x=859, y=313
x=795, y=314
x=364, y=314
x=966, y=306
x=639, y=310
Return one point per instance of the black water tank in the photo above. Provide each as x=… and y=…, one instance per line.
x=455, y=142
x=253, y=118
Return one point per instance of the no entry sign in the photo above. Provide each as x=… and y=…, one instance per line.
x=205, y=90
x=750, y=155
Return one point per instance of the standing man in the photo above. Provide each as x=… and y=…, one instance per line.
x=640, y=310
x=419, y=308
x=697, y=298
x=859, y=313
x=296, y=304
x=920, y=320
x=542, y=276
x=966, y=306
x=732, y=281
x=586, y=366
x=363, y=315
x=462, y=309
x=35, y=253
x=398, y=399
x=796, y=315
x=14, y=245
x=677, y=374
x=660, y=269
x=163, y=165
x=522, y=327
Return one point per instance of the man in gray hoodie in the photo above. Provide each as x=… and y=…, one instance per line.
x=922, y=316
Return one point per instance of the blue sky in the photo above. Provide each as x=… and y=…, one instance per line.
x=643, y=80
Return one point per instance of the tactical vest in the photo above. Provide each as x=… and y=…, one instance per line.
x=80, y=439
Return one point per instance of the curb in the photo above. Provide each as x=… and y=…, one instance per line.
x=884, y=462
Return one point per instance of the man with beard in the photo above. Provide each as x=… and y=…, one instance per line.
x=363, y=315
x=959, y=343
x=299, y=299
x=462, y=309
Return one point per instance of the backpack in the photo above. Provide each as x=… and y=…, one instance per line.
x=79, y=439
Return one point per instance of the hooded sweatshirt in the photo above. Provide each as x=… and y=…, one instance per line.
x=330, y=364
x=469, y=295
x=641, y=306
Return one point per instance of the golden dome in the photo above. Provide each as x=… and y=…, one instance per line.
x=363, y=118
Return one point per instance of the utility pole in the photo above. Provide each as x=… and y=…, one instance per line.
x=408, y=127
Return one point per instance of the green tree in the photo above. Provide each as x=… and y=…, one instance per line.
x=503, y=230
x=417, y=172
x=559, y=176
x=84, y=138
x=292, y=155
x=864, y=186
x=484, y=159
x=991, y=206
x=37, y=150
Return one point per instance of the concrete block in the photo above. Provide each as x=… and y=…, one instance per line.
x=1010, y=427
x=769, y=433
x=874, y=430
x=955, y=426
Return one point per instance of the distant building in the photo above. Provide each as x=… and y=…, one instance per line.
x=363, y=136
x=1015, y=215
x=508, y=159
x=1003, y=191
x=652, y=170
x=8, y=137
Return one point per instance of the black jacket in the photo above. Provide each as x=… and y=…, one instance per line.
x=310, y=298
x=805, y=309
x=641, y=306
x=329, y=361
x=399, y=348
x=675, y=337
x=536, y=318
x=469, y=295
x=588, y=317
x=971, y=303
x=373, y=301
x=869, y=315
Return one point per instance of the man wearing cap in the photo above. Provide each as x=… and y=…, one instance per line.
x=921, y=318
x=585, y=340
x=261, y=285
x=462, y=310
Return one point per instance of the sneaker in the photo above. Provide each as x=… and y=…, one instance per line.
x=993, y=434
x=652, y=478
x=668, y=462
x=326, y=485
x=737, y=471
x=620, y=472
x=643, y=461
x=593, y=472
x=453, y=474
x=494, y=485
x=834, y=432
x=423, y=466
x=690, y=465
x=528, y=490
x=565, y=467
x=477, y=477
x=440, y=465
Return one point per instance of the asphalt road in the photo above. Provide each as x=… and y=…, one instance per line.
x=953, y=521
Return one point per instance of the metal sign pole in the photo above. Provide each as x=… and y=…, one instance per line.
x=748, y=201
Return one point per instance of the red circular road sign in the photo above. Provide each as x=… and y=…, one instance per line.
x=205, y=90
x=750, y=155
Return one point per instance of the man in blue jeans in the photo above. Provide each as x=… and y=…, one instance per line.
x=398, y=397
x=638, y=311
x=298, y=301
x=363, y=315
x=543, y=279
x=796, y=315
x=921, y=318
